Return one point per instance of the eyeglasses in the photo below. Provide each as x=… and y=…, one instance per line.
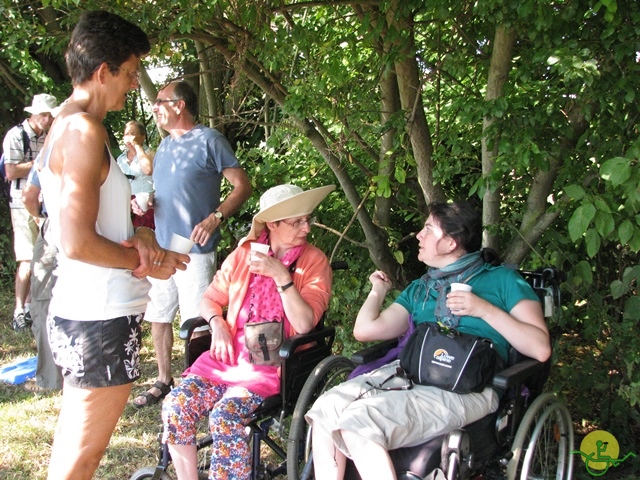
x=299, y=223
x=135, y=75
x=159, y=101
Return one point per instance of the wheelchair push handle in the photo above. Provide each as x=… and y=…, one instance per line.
x=339, y=265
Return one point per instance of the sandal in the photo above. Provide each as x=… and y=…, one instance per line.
x=151, y=399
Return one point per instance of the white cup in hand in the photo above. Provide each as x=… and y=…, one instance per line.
x=180, y=244
x=461, y=287
x=142, y=199
x=260, y=247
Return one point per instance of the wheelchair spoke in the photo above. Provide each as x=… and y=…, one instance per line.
x=543, y=443
x=329, y=372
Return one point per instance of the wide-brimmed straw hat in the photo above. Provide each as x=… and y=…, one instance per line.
x=286, y=201
x=42, y=103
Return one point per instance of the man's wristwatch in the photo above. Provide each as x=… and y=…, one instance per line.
x=218, y=214
x=282, y=288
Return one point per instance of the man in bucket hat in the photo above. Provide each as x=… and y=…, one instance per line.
x=18, y=163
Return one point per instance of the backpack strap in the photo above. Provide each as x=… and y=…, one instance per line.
x=26, y=148
x=26, y=141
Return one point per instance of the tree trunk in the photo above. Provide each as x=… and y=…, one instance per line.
x=206, y=81
x=376, y=237
x=390, y=104
x=417, y=126
x=501, y=55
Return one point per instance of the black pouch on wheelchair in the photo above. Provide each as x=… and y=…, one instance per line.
x=449, y=360
x=263, y=340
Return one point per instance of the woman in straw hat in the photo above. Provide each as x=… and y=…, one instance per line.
x=291, y=284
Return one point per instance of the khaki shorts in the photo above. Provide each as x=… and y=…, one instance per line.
x=395, y=418
x=25, y=232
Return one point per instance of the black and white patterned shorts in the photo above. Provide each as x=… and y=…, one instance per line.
x=101, y=353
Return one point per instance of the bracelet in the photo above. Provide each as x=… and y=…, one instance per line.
x=211, y=318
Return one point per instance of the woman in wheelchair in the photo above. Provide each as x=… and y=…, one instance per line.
x=361, y=420
x=290, y=288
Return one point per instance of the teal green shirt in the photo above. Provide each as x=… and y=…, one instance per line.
x=501, y=286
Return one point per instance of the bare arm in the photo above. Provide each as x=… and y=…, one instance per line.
x=240, y=193
x=523, y=327
x=81, y=161
x=221, y=348
x=372, y=324
x=31, y=199
x=242, y=190
x=18, y=170
x=145, y=158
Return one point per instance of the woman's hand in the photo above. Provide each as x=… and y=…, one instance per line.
x=221, y=342
x=135, y=208
x=130, y=141
x=171, y=262
x=380, y=283
x=155, y=261
x=262, y=264
x=468, y=304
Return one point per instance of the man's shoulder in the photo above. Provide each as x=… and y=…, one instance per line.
x=15, y=132
x=204, y=131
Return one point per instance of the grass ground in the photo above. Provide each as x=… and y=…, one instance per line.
x=27, y=420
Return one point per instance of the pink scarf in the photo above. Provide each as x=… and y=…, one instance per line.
x=263, y=299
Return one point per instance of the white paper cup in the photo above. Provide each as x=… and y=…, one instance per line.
x=180, y=244
x=142, y=200
x=461, y=287
x=260, y=247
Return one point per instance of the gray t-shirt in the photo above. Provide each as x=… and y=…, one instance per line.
x=187, y=173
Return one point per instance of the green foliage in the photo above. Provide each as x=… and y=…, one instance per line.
x=562, y=137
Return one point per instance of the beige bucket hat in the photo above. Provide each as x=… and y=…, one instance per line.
x=42, y=103
x=286, y=201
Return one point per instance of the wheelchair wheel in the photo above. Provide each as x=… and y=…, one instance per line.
x=543, y=443
x=328, y=373
x=146, y=473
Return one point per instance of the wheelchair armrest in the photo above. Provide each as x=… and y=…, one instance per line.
x=187, y=328
x=375, y=351
x=517, y=373
x=291, y=344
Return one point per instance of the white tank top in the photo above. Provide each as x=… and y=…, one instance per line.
x=86, y=292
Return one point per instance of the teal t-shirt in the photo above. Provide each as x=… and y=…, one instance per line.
x=501, y=286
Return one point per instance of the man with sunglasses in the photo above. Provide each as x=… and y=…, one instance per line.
x=189, y=166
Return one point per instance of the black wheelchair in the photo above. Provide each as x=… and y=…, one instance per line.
x=269, y=423
x=530, y=436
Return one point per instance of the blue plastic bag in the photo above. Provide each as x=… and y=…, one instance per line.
x=19, y=372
